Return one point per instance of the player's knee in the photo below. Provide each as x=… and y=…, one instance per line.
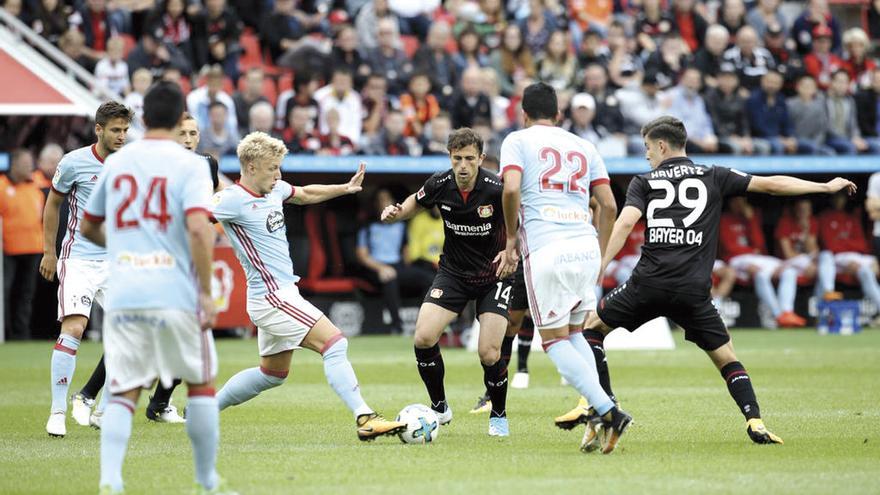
x=489, y=355
x=74, y=328
x=424, y=339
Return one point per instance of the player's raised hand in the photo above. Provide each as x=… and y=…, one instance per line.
x=354, y=185
x=389, y=214
x=207, y=311
x=839, y=183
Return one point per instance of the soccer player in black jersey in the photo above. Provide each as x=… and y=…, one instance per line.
x=682, y=203
x=469, y=199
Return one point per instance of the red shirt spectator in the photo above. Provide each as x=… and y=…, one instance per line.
x=791, y=229
x=634, y=242
x=842, y=232
x=821, y=63
x=740, y=235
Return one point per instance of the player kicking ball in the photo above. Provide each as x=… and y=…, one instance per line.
x=469, y=199
x=682, y=202
x=155, y=196
x=549, y=176
x=251, y=214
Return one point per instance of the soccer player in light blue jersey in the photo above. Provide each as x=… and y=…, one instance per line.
x=155, y=196
x=252, y=217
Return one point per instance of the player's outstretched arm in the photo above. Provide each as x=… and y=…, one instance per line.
x=318, y=193
x=49, y=262
x=401, y=211
x=201, y=246
x=622, y=228
x=783, y=185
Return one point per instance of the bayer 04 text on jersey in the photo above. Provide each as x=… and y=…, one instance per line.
x=674, y=235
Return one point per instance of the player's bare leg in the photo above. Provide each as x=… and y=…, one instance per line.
x=329, y=341
x=739, y=384
x=431, y=322
x=63, y=364
x=493, y=328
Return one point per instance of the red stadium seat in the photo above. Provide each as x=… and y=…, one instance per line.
x=252, y=55
x=410, y=45
x=285, y=81
x=128, y=44
x=324, y=253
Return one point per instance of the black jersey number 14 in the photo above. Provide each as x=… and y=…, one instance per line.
x=697, y=205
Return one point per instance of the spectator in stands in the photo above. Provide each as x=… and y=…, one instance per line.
x=587, y=14
x=21, y=212
x=500, y=104
x=98, y=23
x=426, y=237
x=299, y=135
x=380, y=250
x=470, y=51
x=72, y=44
x=768, y=116
x=252, y=94
x=112, y=71
x=436, y=134
x=709, y=58
x=156, y=56
x=538, y=26
x=141, y=81
x=200, y=99
x=333, y=143
x=345, y=54
x=797, y=238
x=488, y=21
x=220, y=28
x=868, y=105
x=856, y=60
x=841, y=233
x=729, y=117
x=491, y=140
x=723, y=280
x=281, y=31
x=653, y=24
x=47, y=164
x=250, y=12
x=418, y=105
x=688, y=106
x=340, y=94
x=312, y=16
x=391, y=140
x=557, y=66
x=261, y=117
x=592, y=50
x=742, y=246
x=171, y=24
x=821, y=63
x=432, y=58
x=872, y=206
x=376, y=104
x=304, y=87
x=752, y=61
x=388, y=60
x=787, y=61
x=414, y=16
x=843, y=129
x=732, y=15
x=367, y=22
x=669, y=61
x=583, y=111
x=608, y=115
x=873, y=20
x=470, y=102
x=691, y=25
x=217, y=138
x=50, y=19
x=817, y=13
x=809, y=116
x=512, y=60
x=765, y=14
x=639, y=105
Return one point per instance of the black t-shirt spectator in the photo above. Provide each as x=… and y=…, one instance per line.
x=465, y=110
x=867, y=103
x=728, y=112
x=277, y=27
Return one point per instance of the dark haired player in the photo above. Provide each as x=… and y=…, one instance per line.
x=81, y=267
x=469, y=199
x=682, y=202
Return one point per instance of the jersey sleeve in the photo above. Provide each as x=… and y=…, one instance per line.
x=598, y=172
x=511, y=155
x=96, y=206
x=197, y=190
x=636, y=194
x=225, y=206
x=426, y=197
x=64, y=177
x=285, y=190
x=731, y=182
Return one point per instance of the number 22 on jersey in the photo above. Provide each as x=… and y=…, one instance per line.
x=156, y=196
x=574, y=161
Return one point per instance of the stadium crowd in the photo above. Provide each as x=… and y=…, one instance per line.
x=392, y=77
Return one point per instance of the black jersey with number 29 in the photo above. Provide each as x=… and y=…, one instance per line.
x=682, y=203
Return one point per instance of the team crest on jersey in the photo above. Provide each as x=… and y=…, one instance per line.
x=436, y=293
x=86, y=301
x=57, y=177
x=275, y=221
x=485, y=211
x=421, y=193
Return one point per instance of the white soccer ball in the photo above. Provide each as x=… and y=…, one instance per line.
x=422, y=424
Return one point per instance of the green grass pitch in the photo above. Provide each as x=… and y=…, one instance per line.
x=820, y=394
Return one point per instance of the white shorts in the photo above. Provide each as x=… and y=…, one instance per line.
x=560, y=281
x=81, y=283
x=764, y=263
x=800, y=263
x=843, y=260
x=141, y=345
x=283, y=319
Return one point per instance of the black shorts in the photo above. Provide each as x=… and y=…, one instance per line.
x=519, y=300
x=450, y=293
x=631, y=305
